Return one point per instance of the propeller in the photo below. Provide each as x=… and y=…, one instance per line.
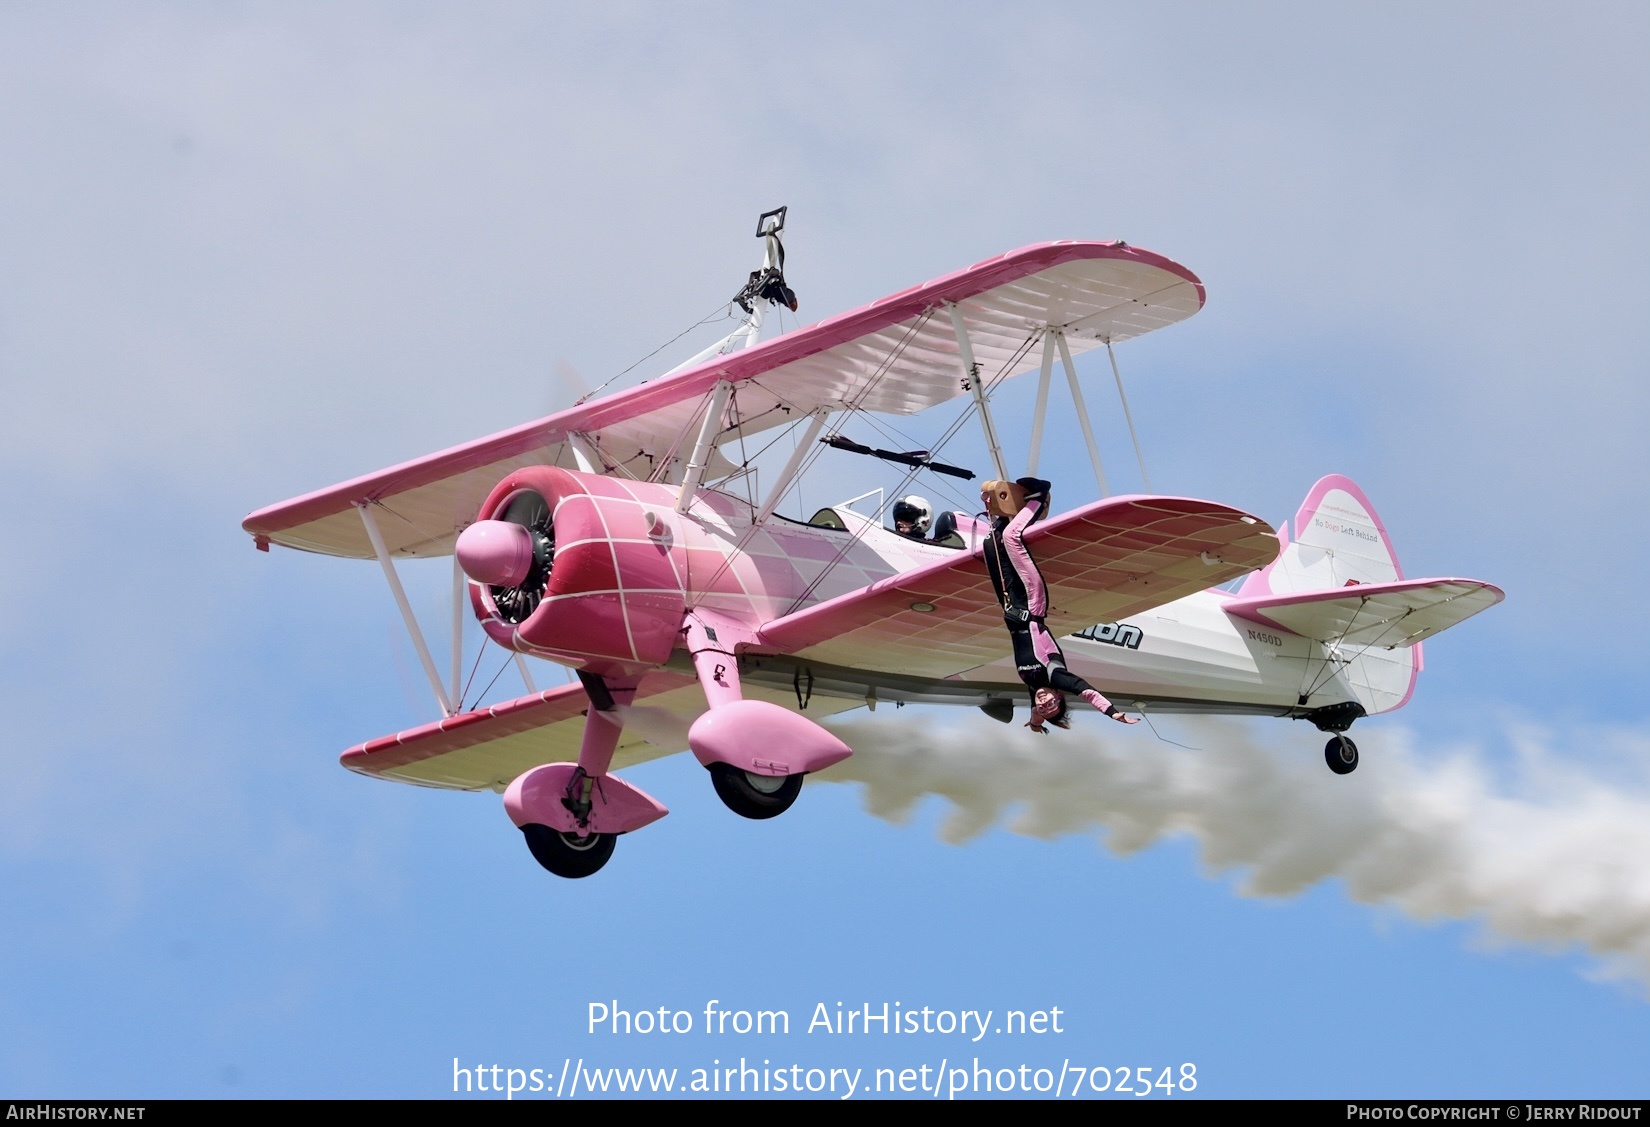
x=571, y=386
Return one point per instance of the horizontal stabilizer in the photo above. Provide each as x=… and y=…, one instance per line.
x=1401, y=613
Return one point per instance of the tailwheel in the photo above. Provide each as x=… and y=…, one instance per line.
x=754, y=796
x=569, y=855
x=1341, y=754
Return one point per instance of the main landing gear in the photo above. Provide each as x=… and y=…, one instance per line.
x=569, y=854
x=751, y=795
x=1341, y=754
x=573, y=813
x=756, y=752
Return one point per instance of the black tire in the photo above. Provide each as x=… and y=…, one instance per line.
x=1341, y=754
x=568, y=855
x=754, y=796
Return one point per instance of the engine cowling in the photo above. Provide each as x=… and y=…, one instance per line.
x=588, y=580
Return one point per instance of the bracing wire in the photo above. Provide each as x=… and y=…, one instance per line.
x=854, y=408
x=945, y=437
x=1128, y=417
x=812, y=456
x=939, y=484
x=724, y=310
x=744, y=458
x=694, y=416
x=459, y=703
x=409, y=522
x=1332, y=664
x=508, y=661
x=727, y=561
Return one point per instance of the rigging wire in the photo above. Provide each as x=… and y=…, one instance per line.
x=670, y=455
x=459, y=703
x=801, y=505
x=508, y=660
x=744, y=458
x=882, y=370
x=727, y=562
x=939, y=484
x=1135, y=438
x=854, y=408
x=813, y=455
x=949, y=433
x=789, y=429
x=410, y=523
x=726, y=312
x=1333, y=663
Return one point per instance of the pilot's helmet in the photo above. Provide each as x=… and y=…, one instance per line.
x=912, y=515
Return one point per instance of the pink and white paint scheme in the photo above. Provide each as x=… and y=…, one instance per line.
x=605, y=539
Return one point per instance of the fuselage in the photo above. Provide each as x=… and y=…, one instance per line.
x=621, y=546
x=1193, y=655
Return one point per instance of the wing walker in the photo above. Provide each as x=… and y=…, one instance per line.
x=626, y=539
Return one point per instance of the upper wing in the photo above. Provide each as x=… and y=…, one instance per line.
x=485, y=749
x=1103, y=562
x=1373, y=614
x=896, y=355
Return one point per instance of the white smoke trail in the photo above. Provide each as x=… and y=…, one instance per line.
x=1561, y=858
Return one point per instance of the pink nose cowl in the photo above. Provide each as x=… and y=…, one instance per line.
x=496, y=552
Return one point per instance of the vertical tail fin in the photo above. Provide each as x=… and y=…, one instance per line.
x=1339, y=541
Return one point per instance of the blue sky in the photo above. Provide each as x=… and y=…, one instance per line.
x=249, y=250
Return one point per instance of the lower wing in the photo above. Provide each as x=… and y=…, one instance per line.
x=486, y=749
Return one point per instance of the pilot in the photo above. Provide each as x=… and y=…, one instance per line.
x=1013, y=507
x=912, y=516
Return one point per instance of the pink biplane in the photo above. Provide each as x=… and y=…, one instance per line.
x=608, y=538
